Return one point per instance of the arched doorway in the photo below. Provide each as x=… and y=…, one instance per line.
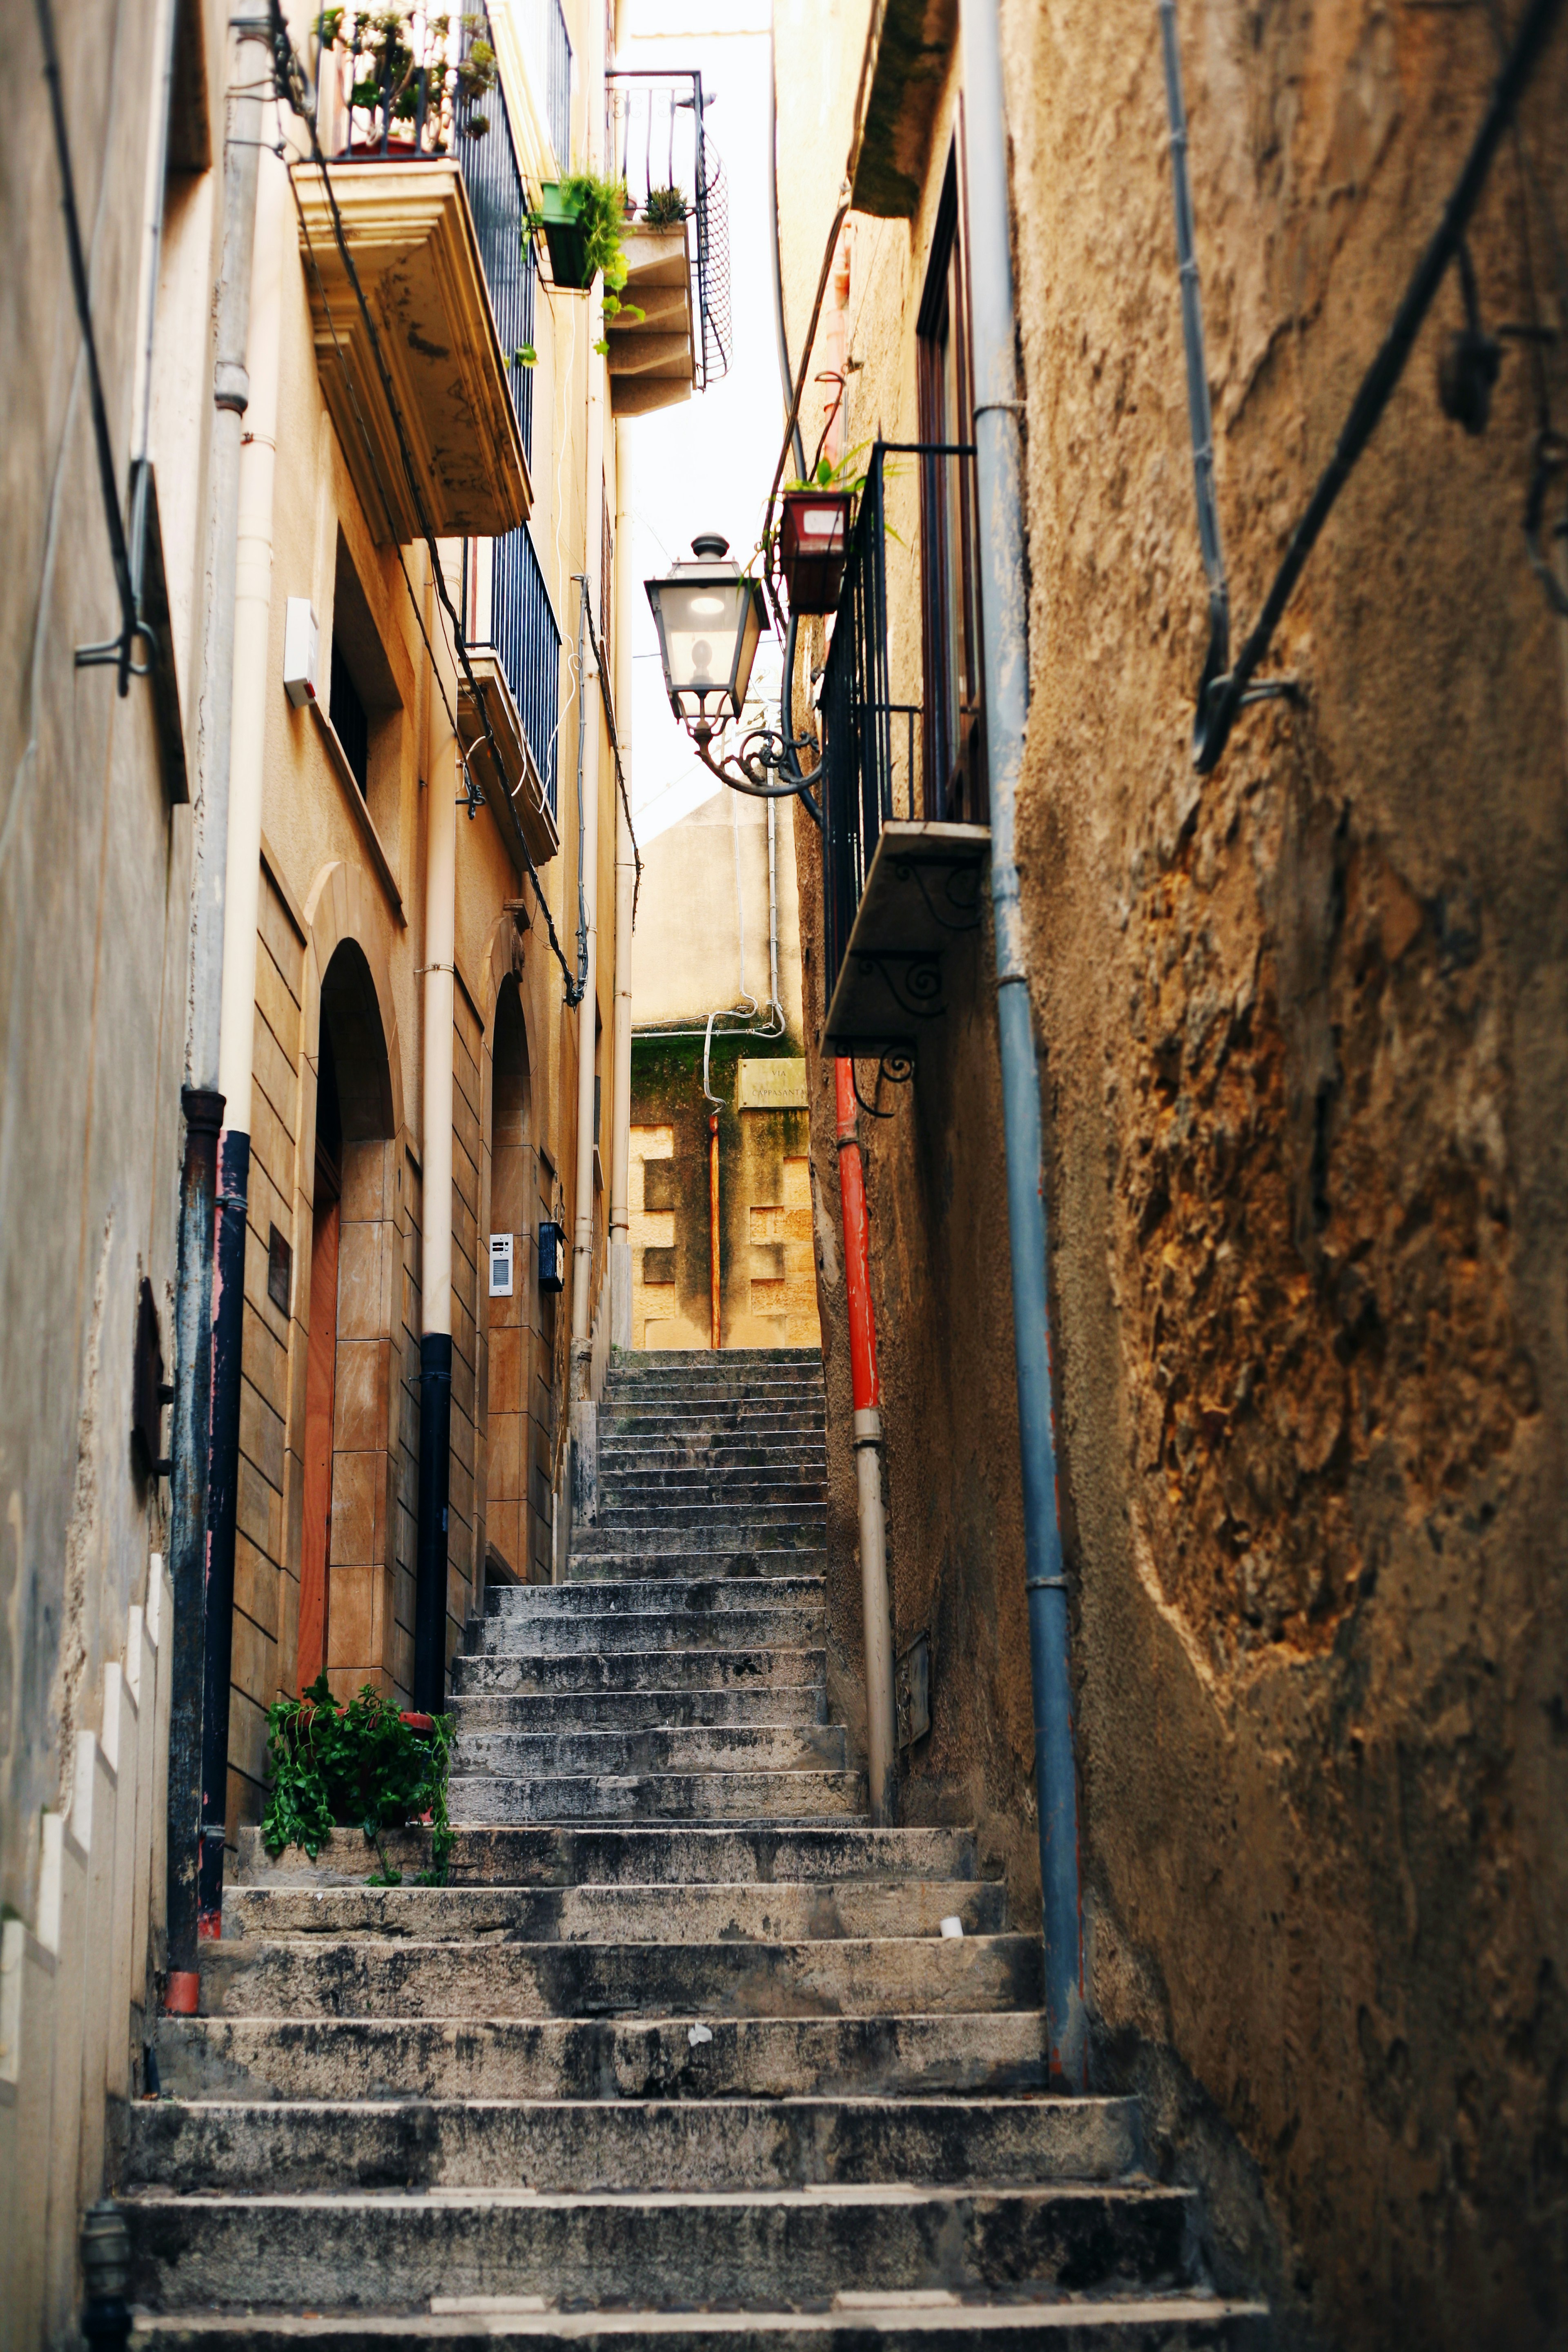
x=346, y=1618
x=510, y=1536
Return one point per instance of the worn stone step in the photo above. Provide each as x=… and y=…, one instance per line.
x=634, y=1450
x=929, y=2054
x=546, y=1635
x=634, y=1710
x=672, y=2249
x=628, y=1854
x=652, y=1561
x=845, y=1977
x=737, y=1490
x=623, y=2144
x=529, y=1604
x=700, y=1511
x=807, y=1533
x=524, y=1670
x=668, y=1425
x=800, y=1793
x=1185, y=2320
x=800, y=1911
x=761, y=1748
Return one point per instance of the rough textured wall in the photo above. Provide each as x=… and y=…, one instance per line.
x=1305, y=1055
x=94, y=874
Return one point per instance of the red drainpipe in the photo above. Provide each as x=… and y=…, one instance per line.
x=713, y=1220
x=880, y=1740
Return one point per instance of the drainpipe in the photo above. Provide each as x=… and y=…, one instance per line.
x=200, y=1098
x=436, y=1237
x=880, y=1731
x=625, y=886
x=242, y=890
x=584, y=1409
x=998, y=439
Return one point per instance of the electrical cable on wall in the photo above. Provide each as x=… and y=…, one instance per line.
x=1221, y=697
x=292, y=88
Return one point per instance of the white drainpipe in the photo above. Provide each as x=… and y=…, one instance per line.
x=621, y=1120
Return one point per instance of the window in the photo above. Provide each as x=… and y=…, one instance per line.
x=349, y=721
x=365, y=705
x=953, y=742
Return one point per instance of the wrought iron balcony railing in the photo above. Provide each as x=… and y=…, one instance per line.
x=549, y=51
x=405, y=96
x=900, y=879
x=658, y=144
x=509, y=609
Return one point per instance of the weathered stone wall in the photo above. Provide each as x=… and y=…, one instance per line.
x=1304, y=1056
x=95, y=865
x=1307, y=1081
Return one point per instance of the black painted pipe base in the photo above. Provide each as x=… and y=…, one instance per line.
x=435, y=1466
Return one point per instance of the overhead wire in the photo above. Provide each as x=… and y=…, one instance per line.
x=292, y=88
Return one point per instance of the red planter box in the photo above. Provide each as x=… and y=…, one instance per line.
x=814, y=539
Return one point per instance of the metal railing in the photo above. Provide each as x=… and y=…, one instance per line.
x=549, y=47
x=409, y=98
x=874, y=746
x=488, y=160
x=657, y=139
x=521, y=628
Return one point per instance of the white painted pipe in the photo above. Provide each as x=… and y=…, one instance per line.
x=592, y=724
x=440, y=976
x=252, y=639
x=625, y=878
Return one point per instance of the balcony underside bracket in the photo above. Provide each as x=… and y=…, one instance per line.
x=925, y=890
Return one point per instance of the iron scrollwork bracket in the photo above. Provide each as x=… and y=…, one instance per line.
x=913, y=978
x=966, y=914
x=897, y=1065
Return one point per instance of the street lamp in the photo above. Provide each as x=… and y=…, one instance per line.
x=709, y=617
x=709, y=620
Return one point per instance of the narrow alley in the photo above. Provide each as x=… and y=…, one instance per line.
x=783, y=943
x=702, y=2031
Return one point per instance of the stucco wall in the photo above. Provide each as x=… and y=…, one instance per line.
x=1303, y=1059
x=94, y=874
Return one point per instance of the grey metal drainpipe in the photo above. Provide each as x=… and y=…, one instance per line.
x=999, y=445
x=203, y=1104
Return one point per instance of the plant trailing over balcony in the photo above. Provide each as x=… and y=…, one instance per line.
x=583, y=222
x=363, y=1765
x=417, y=78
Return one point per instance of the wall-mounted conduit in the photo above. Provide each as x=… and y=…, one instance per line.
x=1222, y=692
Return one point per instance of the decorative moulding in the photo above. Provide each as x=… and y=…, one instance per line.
x=411, y=234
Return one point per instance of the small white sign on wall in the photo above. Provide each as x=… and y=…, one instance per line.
x=501, y=1265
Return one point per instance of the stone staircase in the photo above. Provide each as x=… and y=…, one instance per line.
x=684, y=2050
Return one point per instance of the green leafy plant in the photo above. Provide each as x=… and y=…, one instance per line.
x=384, y=40
x=332, y=1766
x=664, y=208
x=847, y=476
x=525, y=356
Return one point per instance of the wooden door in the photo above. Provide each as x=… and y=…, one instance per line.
x=321, y=1368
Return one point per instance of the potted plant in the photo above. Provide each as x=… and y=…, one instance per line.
x=664, y=208
x=583, y=220
x=367, y=1766
x=401, y=75
x=813, y=538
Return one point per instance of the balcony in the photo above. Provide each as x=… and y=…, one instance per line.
x=430, y=199
x=676, y=244
x=900, y=886
x=514, y=644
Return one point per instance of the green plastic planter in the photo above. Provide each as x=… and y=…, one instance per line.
x=565, y=236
